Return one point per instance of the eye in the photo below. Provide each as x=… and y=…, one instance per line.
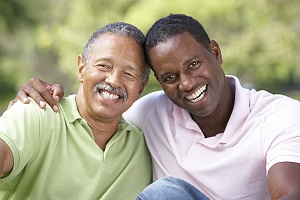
x=130, y=75
x=196, y=64
x=102, y=67
x=193, y=64
x=169, y=78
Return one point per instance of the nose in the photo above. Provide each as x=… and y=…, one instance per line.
x=186, y=82
x=113, y=78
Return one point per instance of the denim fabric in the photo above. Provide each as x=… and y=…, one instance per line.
x=170, y=188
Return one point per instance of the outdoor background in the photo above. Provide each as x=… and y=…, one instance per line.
x=259, y=39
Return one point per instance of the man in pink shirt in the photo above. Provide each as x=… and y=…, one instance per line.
x=204, y=127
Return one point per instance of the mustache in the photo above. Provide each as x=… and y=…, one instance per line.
x=108, y=87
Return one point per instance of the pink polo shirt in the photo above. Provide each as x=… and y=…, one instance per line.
x=263, y=129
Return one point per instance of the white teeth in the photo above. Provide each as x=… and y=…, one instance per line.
x=198, y=95
x=107, y=95
x=199, y=98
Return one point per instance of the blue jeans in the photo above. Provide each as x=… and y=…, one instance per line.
x=170, y=188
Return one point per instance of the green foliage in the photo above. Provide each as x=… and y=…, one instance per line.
x=259, y=39
x=264, y=50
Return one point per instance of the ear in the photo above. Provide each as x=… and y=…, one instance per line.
x=81, y=68
x=215, y=49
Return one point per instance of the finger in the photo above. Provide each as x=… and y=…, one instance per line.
x=27, y=90
x=41, y=93
x=22, y=96
x=58, y=91
x=12, y=102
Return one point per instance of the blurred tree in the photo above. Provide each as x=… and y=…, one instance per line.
x=259, y=39
x=43, y=39
x=12, y=16
x=264, y=49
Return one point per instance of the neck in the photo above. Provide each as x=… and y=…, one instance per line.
x=103, y=131
x=216, y=122
x=102, y=128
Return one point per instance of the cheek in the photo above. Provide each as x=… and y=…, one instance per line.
x=219, y=76
x=133, y=89
x=171, y=92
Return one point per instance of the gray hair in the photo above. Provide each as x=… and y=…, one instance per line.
x=117, y=28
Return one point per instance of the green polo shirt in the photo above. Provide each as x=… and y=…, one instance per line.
x=55, y=156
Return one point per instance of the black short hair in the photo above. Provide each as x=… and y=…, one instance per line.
x=171, y=25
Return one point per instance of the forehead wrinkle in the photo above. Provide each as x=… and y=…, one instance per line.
x=103, y=59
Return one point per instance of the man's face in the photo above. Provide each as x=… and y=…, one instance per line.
x=190, y=75
x=112, y=77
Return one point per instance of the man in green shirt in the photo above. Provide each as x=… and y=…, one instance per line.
x=86, y=150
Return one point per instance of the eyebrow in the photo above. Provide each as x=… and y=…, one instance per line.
x=165, y=74
x=132, y=68
x=190, y=60
x=184, y=63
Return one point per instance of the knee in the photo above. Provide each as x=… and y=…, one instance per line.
x=171, y=188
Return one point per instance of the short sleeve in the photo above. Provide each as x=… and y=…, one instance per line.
x=281, y=133
x=20, y=129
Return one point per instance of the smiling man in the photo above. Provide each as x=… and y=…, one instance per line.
x=205, y=128
x=86, y=150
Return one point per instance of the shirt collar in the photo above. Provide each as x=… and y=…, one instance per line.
x=240, y=112
x=71, y=112
x=70, y=108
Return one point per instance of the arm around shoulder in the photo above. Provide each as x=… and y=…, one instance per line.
x=140, y=109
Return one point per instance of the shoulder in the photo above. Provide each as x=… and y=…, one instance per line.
x=130, y=133
x=23, y=112
x=273, y=103
x=29, y=118
x=153, y=97
x=148, y=103
x=150, y=100
x=126, y=127
x=279, y=116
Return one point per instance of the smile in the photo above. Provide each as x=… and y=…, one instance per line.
x=198, y=95
x=109, y=92
x=107, y=95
